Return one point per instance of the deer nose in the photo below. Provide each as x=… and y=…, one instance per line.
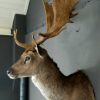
x=9, y=71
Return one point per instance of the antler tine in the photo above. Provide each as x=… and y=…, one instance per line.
x=48, y=14
x=62, y=10
x=23, y=45
x=43, y=38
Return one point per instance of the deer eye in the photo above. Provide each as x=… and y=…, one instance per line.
x=27, y=60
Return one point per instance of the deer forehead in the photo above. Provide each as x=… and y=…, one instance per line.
x=27, y=53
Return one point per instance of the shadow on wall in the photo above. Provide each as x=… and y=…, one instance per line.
x=94, y=75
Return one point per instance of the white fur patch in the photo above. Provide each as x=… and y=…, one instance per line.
x=11, y=76
x=43, y=89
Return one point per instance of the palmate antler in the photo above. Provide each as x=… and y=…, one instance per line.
x=57, y=15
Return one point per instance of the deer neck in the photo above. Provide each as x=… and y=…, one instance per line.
x=48, y=78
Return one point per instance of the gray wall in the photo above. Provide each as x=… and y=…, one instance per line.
x=9, y=90
x=72, y=50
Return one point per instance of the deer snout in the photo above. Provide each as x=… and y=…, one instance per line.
x=10, y=73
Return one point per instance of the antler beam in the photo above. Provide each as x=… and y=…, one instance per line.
x=57, y=15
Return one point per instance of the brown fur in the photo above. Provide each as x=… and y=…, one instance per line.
x=49, y=79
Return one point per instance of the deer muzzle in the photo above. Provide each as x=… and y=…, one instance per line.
x=11, y=74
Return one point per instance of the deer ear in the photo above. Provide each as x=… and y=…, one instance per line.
x=42, y=51
x=38, y=52
x=36, y=48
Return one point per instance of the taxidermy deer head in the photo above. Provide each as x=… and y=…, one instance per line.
x=36, y=63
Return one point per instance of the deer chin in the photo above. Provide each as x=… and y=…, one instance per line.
x=11, y=76
x=15, y=76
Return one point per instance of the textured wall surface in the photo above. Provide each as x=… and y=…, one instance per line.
x=77, y=47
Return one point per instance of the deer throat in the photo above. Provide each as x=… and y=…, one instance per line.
x=44, y=89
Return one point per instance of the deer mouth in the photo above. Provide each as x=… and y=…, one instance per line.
x=11, y=76
x=14, y=76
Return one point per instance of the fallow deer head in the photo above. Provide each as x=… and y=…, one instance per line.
x=57, y=15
